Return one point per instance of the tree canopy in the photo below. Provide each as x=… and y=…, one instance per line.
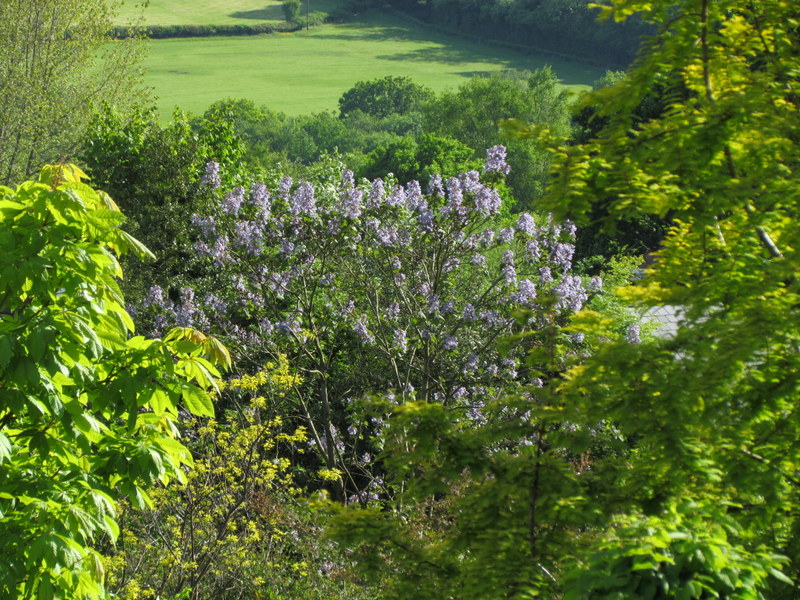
x=57, y=67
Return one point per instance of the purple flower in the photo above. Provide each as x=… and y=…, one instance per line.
x=219, y=252
x=469, y=313
x=393, y=311
x=397, y=197
x=487, y=202
x=545, y=276
x=233, y=200
x=533, y=250
x=216, y=304
x=155, y=297
x=211, y=176
x=347, y=179
x=387, y=236
x=435, y=187
x=284, y=186
x=400, y=340
x=561, y=255
x=595, y=284
x=450, y=264
x=375, y=197
x=455, y=198
x=259, y=198
x=526, y=293
x=361, y=330
x=478, y=260
x=207, y=225
x=472, y=363
x=470, y=182
x=506, y=235
x=450, y=343
x=351, y=203
x=570, y=293
x=287, y=247
x=248, y=236
x=496, y=160
x=302, y=201
x=633, y=334
x=526, y=224
x=414, y=195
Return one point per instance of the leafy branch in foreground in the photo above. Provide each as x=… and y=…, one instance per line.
x=89, y=413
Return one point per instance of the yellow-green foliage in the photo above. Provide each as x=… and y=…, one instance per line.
x=89, y=413
x=240, y=525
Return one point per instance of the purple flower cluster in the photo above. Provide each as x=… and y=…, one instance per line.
x=426, y=285
x=496, y=160
x=211, y=176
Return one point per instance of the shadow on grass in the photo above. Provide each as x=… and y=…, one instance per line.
x=270, y=13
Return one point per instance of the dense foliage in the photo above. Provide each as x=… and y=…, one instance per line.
x=89, y=413
x=429, y=402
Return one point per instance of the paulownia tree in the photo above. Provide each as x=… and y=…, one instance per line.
x=88, y=413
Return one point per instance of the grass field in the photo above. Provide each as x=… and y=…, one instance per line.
x=211, y=12
x=308, y=71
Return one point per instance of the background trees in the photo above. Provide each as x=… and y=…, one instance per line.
x=58, y=65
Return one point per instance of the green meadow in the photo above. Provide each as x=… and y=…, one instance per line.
x=307, y=71
x=211, y=12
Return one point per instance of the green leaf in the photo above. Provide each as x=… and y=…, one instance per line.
x=5, y=448
x=197, y=401
x=780, y=576
x=131, y=244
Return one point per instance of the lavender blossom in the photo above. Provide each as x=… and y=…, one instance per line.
x=595, y=284
x=455, y=198
x=570, y=293
x=487, y=202
x=211, y=177
x=533, y=250
x=470, y=182
x=351, y=204
x=400, y=341
x=526, y=224
x=361, y=330
x=397, y=197
x=233, y=200
x=206, y=225
x=506, y=235
x=435, y=187
x=633, y=334
x=496, y=160
x=375, y=198
x=393, y=311
x=302, y=201
x=561, y=255
x=526, y=293
x=287, y=247
x=414, y=195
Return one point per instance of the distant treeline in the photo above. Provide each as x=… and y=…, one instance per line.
x=561, y=26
